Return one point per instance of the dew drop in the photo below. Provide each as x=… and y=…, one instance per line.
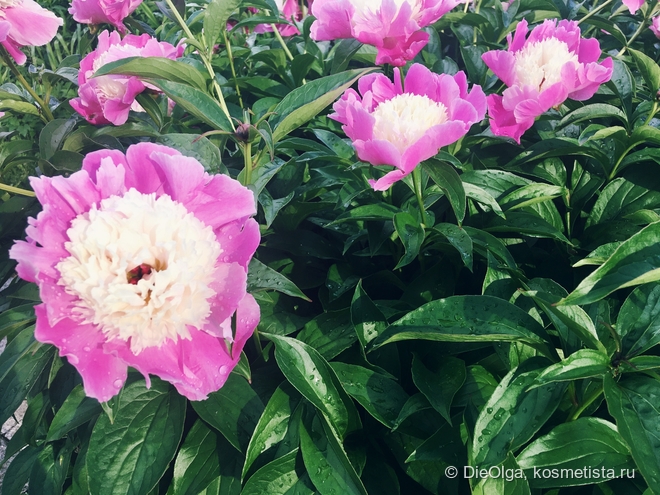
x=87, y=348
x=73, y=359
x=118, y=383
x=222, y=370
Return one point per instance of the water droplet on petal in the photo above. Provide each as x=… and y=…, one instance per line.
x=87, y=348
x=223, y=370
x=73, y=359
x=118, y=383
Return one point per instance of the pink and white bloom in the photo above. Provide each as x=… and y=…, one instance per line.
x=25, y=23
x=554, y=63
x=390, y=126
x=103, y=11
x=655, y=26
x=290, y=10
x=108, y=99
x=392, y=26
x=633, y=5
x=141, y=260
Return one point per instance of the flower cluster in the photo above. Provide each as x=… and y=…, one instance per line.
x=108, y=99
x=141, y=260
x=103, y=11
x=541, y=71
x=25, y=23
x=392, y=26
x=393, y=126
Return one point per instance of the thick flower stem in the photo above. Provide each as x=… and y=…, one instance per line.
x=205, y=60
x=281, y=41
x=43, y=107
x=636, y=33
x=417, y=181
x=595, y=11
x=587, y=402
x=233, y=69
x=16, y=190
x=247, y=160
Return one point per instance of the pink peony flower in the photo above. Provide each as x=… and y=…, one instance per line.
x=290, y=10
x=25, y=23
x=390, y=126
x=392, y=26
x=554, y=63
x=633, y=5
x=655, y=26
x=108, y=99
x=141, y=260
x=103, y=11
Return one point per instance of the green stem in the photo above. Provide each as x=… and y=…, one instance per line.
x=587, y=402
x=17, y=190
x=43, y=107
x=654, y=109
x=205, y=60
x=595, y=11
x=233, y=69
x=281, y=40
x=636, y=33
x=247, y=160
x=417, y=181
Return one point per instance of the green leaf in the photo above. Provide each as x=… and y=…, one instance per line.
x=522, y=222
x=307, y=101
x=326, y=461
x=467, y=319
x=587, y=442
x=531, y=194
x=18, y=471
x=440, y=384
x=131, y=454
x=21, y=363
x=599, y=255
x=648, y=68
x=19, y=107
x=76, y=410
x=234, y=411
x=329, y=333
x=445, y=176
x=583, y=363
x=513, y=414
x=411, y=234
x=460, y=239
x=273, y=424
x=216, y=15
x=52, y=136
x=633, y=402
x=379, y=211
x=636, y=261
x=278, y=477
x=262, y=277
x=511, y=482
x=382, y=397
x=156, y=68
x=311, y=375
x=202, y=458
x=620, y=198
x=638, y=322
x=197, y=147
x=368, y=321
x=50, y=469
x=196, y=102
x=482, y=196
x=593, y=111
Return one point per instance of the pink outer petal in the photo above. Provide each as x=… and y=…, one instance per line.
x=32, y=260
x=333, y=19
x=378, y=152
x=230, y=282
x=182, y=176
x=198, y=366
x=501, y=63
x=4, y=29
x=429, y=145
x=386, y=181
x=401, y=51
x=503, y=121
x=655, y=26
x=92, y=161
x=239, y=241
x=142, y=172
x=14, y=50
x=31, y=24
x=103, y=374
x=633, y=5
x=68, y=197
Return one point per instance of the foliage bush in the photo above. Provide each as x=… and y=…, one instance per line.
x=497, y=311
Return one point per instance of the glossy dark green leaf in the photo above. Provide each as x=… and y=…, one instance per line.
x=307, y=101
x=311, y=375
x=329, y=333
x=638, y=323
x=620, y=198
x=196, y=102
x=593, y=111
x=50, y=469
x=131, y=454
x=273, y=424
x=525, y=223
x=368, y=321
x=18, y=471
x=278, y=477
x=234, y=411
x=478, y=387
x=381, y=396
x=511, y=482
x=15, y=318
x=20, y=364
x=513, y=414
x=634, y=404
x=450, y=182
x=445, y=445
x=636, y=261
x=76, y=410
x=467, y=319
x=216, y=16
x=326, y=461
x=587, y=442
x=262, y=277
x=482, y=196
x=197, y=147
x=529, y=195
x=411, y=234
x=379, y=211
x=583, y=363
x=156, y=68
x=440, y=383
x=458, y=238
x=52, y=136
x=204, y=456
x=648, y=68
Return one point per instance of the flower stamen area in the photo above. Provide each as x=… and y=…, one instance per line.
x=404, y=119
x=539, y=64
x=141, y=268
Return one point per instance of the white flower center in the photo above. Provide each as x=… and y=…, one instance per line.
x=5, y=4
x=368, y=9
x=141, y=268
x=404, y=119
x=539, y=64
